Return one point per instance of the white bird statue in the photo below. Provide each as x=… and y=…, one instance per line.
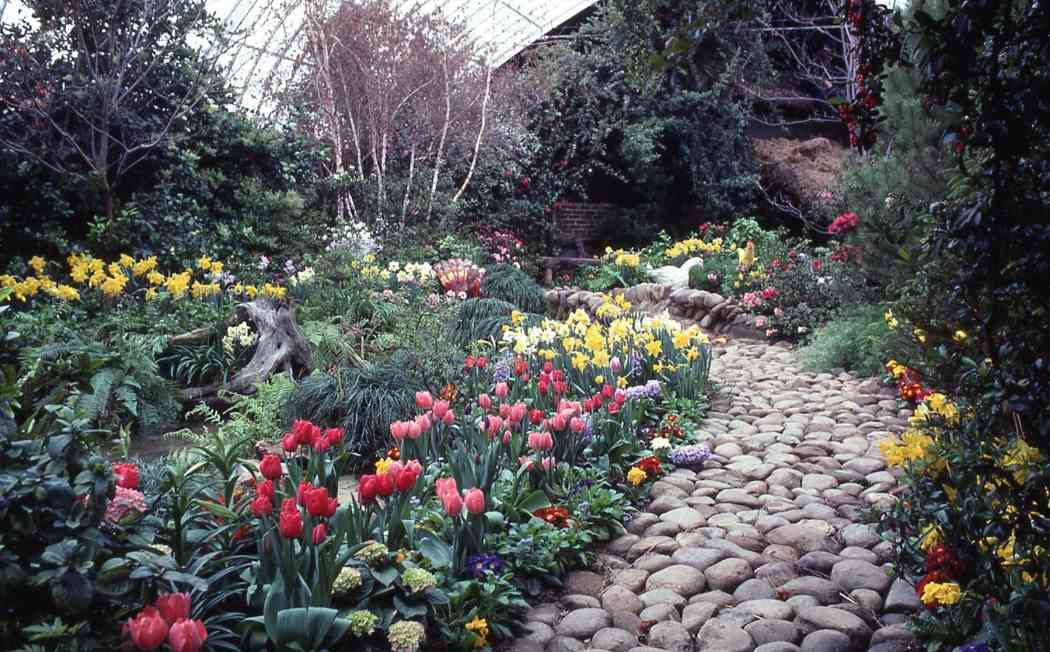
x=677, y=277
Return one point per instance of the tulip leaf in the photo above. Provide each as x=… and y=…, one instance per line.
x=409, y=610
x=385, y=575
x=438, y=552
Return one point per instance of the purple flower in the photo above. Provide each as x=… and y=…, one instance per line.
x=480, y=564
x=975, y=647
x=689, y=456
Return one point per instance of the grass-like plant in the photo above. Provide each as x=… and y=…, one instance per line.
x=508, y=283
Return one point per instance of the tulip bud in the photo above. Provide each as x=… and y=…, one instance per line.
x=187, y=636
x=412, y=430
x=262, y=506
x=615, y=365
x=577, y=425
x=385, y=485
x=440, y=409
x=485, y=402
x=270, y=467
x=502, y=390
x=424, y=401
x=558, y=422
x=452, y=503
x=504, y=410
x=535, y=417
x=449, y=418
x=423, y=421
x=481, y=361
x=607, y=391
x=289, y=442
x=366, y=489
x=397, y=430
x=148, y=629
x=173, y=606
x=475, y=501
x=320, y=533
x=548, y=463
x=548, y=367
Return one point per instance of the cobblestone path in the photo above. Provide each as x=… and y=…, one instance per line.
x=766, y=549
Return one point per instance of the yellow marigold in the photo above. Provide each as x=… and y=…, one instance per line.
x=79, y=272
x=636, y=476
x=38, y=264
x=114, y=269
x=98, y=277
x=941, y=593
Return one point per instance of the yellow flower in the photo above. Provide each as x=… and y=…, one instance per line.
x=516, y=318
x=177, y=284
x=636, y=476
x=936, y=593
x=98, y=277
x=891, y=321
x=126, y=260
x=480, y=627
x=114, y=269
x=621, y=382
x=216, y=267
x=147, y=265
x=204, y=262
x=155, y=277
x=151, y=294
x=654, y=348
x=960, y=336
x=746, y=255
x=68, y=293
x=114, y=285
x=692, y=354
x=79, y=272
x=37, y=263
x=919, y=335
x=251, y=291
x=383, y=465
x=601, y=358
x=931, y=537
x=599, y=380
x=680, y=340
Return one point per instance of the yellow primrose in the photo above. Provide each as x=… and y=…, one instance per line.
x=935, y=593
x=636, y=476
x=38, y=264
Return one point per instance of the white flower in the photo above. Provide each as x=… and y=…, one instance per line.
x=393, y=266
x=660, y=443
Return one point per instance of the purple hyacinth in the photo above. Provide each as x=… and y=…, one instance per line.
x=689, y=456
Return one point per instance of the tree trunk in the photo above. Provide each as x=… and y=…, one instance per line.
x=281, y=347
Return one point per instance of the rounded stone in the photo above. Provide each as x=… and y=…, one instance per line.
x=811, y=619
x=853, y=574
x=661, y=596
x=753, y=589
x=684, y=518
x=619, y=598
x=696, y=614
x=722, y=636
x=671, y=636
x=583, y=623
x=779, y=646
x=772, y=631
x=826, y=640
x=682, y=579
x=542, y=633
x=632, y=579
x=564, y=644
x=576, y=601
x=824, y=591
x=699, y=558
x=584, y=583
x=613, y=640
x=727, y=574
x=659, y=612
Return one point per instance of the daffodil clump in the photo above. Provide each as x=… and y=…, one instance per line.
x=622, y=258
x=125, y=276
x=691, y=247
x=616, y=345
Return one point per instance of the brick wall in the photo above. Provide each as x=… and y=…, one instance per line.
x=580, y=221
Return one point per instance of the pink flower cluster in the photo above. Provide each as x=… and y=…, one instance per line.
x=448, y=493
x=124, y=503
x=844, y=223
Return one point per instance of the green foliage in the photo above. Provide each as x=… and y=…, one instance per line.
x=537, y=554
x=362, y=400
x=109, y=384
x=480, y=319
x=508, y=283
x=859, y=341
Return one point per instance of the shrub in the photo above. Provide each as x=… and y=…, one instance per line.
x=859, y=340
x=510, y=284
x=480, y=319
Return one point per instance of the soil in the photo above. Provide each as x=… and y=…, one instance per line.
x=803, y=169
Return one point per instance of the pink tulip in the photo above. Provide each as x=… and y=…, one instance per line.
x=187, y=636
x=506, y=437
x=449, y=418
x=173, y=606
x=424, y=423
x=485, y=402
x=493, y=424
x=147, y=629
x=502, y=390
x=615, y=365
x=443, y=486
x=548, y=463
x=517, y=413
x=577, y=425
x=440, y=409
x=541, y=441
x=412, y=430
x=320, y=533
x=504, y=410
x=452, y=503
x=475, y=501
x=397, y=430
x=424, y=401
x=620, y=396
x=558, y=422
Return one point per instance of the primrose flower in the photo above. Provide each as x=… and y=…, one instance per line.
x=941, y=593
x=636, y=476
x=480, y=628
x=660, y=443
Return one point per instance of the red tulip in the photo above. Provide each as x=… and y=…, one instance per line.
x=506, y=437
x=482, y=361
x=334, y=436
x=443, y=486
x=321, y=444
x=474, y=499
x=408, y=475
x=366, y=489
x=541, y=441
x=301, y=493
x=492, y=424
x=318, y=503
x=440, y=409
x=542, y=387
x=320, y=533
x=305, y=432
x=289, y=442
x=536, y=417
x=548, y=367
x=502, y=390
x=148, y=629
x=262, y=506
x=424, y=401
x=291, y=522
x=558, y=422
x=485, y=402
x=385, y=485
x=187, y=636
x=126, y=475
x=607, y=391
x=270, y=467
x=614, y=408
x=173, y=606
x=265, y=488
x=468, y=363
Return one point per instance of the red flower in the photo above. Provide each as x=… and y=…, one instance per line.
x=406, y=477
x=187, y=636
x=941, y=558
x=366, y=489
x=262, y=506
x=320, y=533
x=334, y=436
x=385, y=485
x=173, y=606
x=265, y=488
x=126, y=475
x=474, y=499
x=844, y=223
x=291, y=522
x=556, y=516
x=270, y=467
x=816, y=265
x=318, y=503
x=148, y=629
x=651, y=466
x=289, y=442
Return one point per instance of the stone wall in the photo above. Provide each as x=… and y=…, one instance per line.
x=712, y=311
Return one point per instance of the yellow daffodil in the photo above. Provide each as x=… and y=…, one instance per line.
x=38, y=264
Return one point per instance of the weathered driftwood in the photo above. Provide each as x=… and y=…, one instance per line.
x=280, y=348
